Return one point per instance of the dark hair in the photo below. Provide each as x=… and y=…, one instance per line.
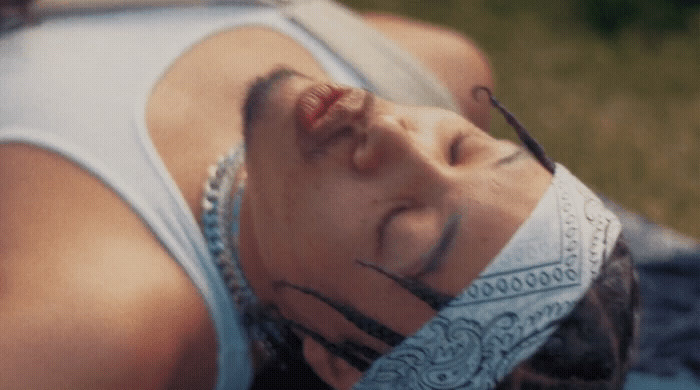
x=289, y=371
x=13, y=13
x=257, y=94
x=591, y=349
x=593, y=346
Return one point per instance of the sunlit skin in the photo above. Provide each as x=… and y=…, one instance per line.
x=68, y=242
x=372, y=180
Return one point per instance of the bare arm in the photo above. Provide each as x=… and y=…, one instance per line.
x=88, y=299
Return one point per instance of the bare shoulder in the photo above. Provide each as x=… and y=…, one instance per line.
x=88, y=297
x=453, y=57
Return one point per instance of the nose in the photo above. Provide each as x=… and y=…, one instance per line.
x=400, y=143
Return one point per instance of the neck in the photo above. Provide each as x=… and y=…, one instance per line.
x=227, y=230
x=250, y=257
x=256, y=275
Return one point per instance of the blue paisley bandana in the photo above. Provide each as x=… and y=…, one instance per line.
x=507, y=313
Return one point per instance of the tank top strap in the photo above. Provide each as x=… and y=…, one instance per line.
x=387, y=70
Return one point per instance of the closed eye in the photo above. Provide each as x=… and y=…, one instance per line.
x=454, y=156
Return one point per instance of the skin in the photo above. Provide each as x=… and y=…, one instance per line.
x=89, y=304
x=313, y=210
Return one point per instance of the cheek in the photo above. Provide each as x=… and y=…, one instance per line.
x=329, y=237
x=309, y=234
x=274, y=224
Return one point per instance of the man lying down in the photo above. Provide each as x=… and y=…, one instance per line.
x=390, y=246
x=378, y=295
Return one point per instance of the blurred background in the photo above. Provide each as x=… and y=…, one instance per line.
x=611, y=88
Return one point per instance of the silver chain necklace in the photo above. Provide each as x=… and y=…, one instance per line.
x=220, y=224
x=221, y=205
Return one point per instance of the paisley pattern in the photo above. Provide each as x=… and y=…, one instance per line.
x=512, y=308
x=457, y=354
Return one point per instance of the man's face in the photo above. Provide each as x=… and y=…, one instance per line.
x=337, y=175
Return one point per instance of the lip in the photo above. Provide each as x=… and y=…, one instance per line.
x=314, y=103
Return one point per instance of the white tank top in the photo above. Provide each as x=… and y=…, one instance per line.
x=77, y=85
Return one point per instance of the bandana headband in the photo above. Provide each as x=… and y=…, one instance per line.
x=504, y=316
x=508, y=312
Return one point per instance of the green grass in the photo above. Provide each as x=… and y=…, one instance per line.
x=622, y=112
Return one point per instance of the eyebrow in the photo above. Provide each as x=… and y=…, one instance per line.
x=361, y=356
x=434, y=298
x=432, y=260
x=258, y=93
x=367, y=324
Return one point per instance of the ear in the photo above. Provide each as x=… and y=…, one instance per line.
x=331, y=369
